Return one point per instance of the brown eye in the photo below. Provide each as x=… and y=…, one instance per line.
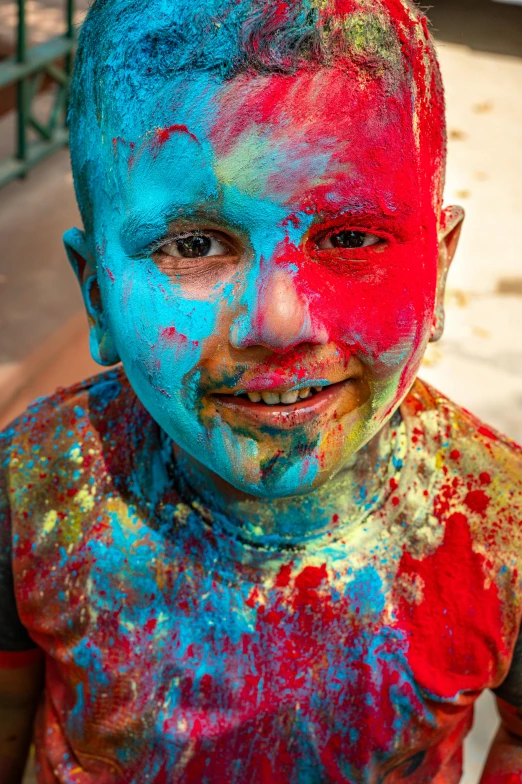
x=348, y=239
x=195, y=246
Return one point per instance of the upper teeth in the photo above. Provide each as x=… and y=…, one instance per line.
x=255, y=397
x=273, y=398
x=290, y=397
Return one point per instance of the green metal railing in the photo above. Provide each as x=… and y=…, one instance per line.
x=27, y=69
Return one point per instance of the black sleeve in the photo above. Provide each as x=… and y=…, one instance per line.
x=510, y=690
x=13, y=636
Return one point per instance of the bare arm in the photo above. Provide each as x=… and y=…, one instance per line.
x=20, y=690
x=504, y=763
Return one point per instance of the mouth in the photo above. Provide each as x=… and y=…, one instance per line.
x=290, y=408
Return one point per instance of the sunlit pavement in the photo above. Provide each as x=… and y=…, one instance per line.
x=479, y=361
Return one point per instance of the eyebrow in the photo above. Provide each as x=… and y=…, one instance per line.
x=371, y=208
x=142, y=227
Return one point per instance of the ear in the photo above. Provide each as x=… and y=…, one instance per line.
x=449, y=232
x=82, y=261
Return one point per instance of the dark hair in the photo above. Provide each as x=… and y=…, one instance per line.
x=128, y=48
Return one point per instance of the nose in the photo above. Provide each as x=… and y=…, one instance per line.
x=279, y=317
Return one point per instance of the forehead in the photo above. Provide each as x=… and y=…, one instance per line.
x=321, y=139
x=321, y=129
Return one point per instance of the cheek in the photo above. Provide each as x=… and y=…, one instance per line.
x=383, y=305
x=158, y=331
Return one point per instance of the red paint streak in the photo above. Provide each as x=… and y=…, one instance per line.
x=485, y=431
x=162, y=135
x=110, y=274
x=172, y=334
x=455, y=630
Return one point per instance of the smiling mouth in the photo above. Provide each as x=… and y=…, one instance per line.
x=271, y=398
x=291, y=408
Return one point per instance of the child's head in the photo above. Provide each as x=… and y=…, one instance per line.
x=260, y=183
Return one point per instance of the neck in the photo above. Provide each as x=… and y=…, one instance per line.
x=280, y=522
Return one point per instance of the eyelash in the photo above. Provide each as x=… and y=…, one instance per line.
x=315, y=239
x=176, y=236
x=172, y=237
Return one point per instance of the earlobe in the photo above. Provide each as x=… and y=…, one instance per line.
x=449, y=234
x=83, y=263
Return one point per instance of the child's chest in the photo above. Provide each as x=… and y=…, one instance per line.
x=317, y=665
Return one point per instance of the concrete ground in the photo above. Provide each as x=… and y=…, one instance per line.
x=478, y=363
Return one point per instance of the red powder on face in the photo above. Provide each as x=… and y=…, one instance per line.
x=378, y=299
x=454, y=631
x=162, y=135
x=172, y=334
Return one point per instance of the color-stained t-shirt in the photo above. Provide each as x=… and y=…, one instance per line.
x=178, y=652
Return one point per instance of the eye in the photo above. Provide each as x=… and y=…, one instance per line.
x=348, y=239
x=195, y=246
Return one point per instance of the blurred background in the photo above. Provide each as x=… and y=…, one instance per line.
x=43, y=335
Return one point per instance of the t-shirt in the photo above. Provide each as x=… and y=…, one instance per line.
x=178, y=652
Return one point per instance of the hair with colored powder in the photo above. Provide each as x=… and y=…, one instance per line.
x=128, y=50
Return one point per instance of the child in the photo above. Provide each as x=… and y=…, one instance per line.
x=259, y=551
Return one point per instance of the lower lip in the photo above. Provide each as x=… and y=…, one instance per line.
x=286, y=417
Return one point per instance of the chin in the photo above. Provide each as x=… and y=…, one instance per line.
x=284, y=477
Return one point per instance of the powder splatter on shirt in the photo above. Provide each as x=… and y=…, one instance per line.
x=178, y=652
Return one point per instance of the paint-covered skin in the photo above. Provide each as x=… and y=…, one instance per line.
x=227, y=591
x=264, y=164
x=179, y=651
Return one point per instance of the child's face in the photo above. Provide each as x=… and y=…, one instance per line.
x=270, y=234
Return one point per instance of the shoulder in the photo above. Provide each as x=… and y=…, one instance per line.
x=72, y=407
x=462, y=442
x=476, y=474
x=91, y=396
x=468, y=566
x=43, y=452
